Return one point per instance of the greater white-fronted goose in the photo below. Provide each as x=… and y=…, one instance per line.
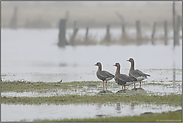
x=136, y=74
x=103, y=75
x=122, y=79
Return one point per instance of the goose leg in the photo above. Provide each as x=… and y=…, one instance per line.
x=134, y=85
x=122, y=87
x=103, y=85
x=140, y=84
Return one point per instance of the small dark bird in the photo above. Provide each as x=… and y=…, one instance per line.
x=103, y=75
x=136, y=74
x=122, y=79
x=60, y=81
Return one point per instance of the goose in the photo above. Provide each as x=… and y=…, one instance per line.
x=122, y=79
x=103, y=75
x=136, y=74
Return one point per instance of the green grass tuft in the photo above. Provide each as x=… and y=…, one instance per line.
x=68, y=99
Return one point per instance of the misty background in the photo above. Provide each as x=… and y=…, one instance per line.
x=94, y=14
x=61, y=41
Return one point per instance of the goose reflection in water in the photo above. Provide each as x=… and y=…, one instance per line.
x=118, y=108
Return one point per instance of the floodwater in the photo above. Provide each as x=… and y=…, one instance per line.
x=150, y=88
x=32, y=55
x=44, y=111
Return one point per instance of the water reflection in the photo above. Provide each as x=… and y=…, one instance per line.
x=132, y=106
x=45, y=111
x=118, y=108
x=98, y=106
x=63, y=61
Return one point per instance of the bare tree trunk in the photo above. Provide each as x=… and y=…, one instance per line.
x=62, y=29
x=153, y=33
x=165, y=33
x=139, y=34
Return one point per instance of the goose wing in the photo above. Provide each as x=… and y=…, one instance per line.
x=135, y=74
x=104, y=75
x=142, y=74
x=124, y=78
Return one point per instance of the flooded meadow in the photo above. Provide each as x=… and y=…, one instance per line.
x=42, y=81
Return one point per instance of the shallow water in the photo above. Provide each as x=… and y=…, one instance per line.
x=160, y=83
x=44, y=111
x=161, y=88
x=33, y=55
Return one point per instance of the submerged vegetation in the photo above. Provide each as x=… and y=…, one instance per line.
x=18, y=86
x=68, y=99
x=108, y=99
x=35, y=86
x=172, y=99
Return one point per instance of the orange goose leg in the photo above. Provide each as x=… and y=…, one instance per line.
x=122, y=87
x=140, y=84
x=103, y=85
